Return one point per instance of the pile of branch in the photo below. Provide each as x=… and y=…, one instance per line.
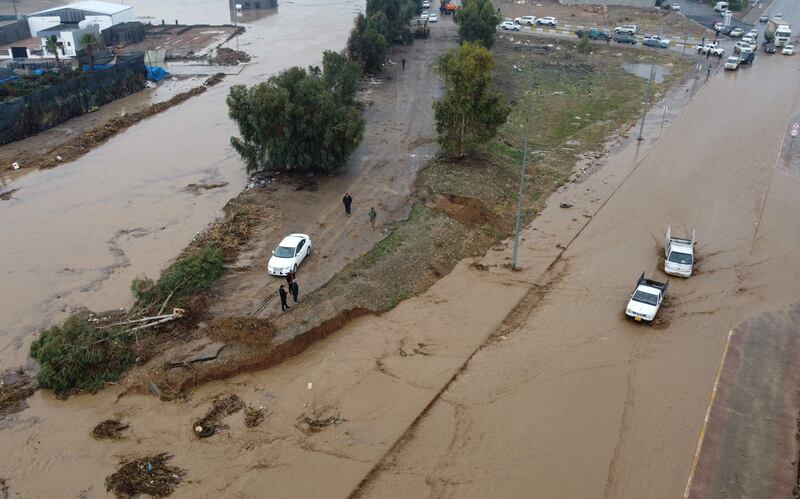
x=109, y=429
x=220, y=407
x=148, y=475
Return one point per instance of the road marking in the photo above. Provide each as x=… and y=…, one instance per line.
x=708, y=414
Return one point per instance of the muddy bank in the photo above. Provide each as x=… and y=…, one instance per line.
x=85, y=141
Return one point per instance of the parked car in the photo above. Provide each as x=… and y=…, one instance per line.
x=747, y=57
x=732, y=64
x=749, y=39
x=740, y=46
x=625, y=39
x=710, y=47
x=655, y=41
x=424, y=15
x=547, y=21
x=630, y=29
x=426, y=4
x=736, y=32
x=508, y=25
x=788, y=49
x=289, y=254
x=433, y=18
x=778, y=16
x=593, y=34
x=718, y=26
x=769, y=48
x=754, y=33
x=675, y=6
x=726, y=30
x=529, y=20
x=764, y=18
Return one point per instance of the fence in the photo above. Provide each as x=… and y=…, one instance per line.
x=38, y=111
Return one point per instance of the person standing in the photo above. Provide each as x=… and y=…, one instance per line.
x=290, y=276
x=294, y=289
x=347, y=200
x=404, y=63
x=284, y=295
x=372, y=216
x=708, y=54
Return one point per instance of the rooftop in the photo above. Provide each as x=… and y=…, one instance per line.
x=92, y=6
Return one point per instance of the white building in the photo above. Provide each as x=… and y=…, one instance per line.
x=70, y=22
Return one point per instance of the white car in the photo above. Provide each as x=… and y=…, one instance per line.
x=742, y=46
x=433, y=18
x=509, y=25
x=662, y=41
x=736, y=32
x=549, y=21
x=710, y=47
x=529, y=20
x=289, y=254
x=718, y=26
x=676, y=6
x=629, y=29
x=732, y=64
x=788, y=50
x=424, y=15
x=426, y=4
x=749, y=39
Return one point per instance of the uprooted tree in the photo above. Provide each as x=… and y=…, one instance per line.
x=299, y=119
x=477, y=21
x=470, y=112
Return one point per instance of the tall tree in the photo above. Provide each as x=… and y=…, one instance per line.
x=88, y=40
x=295, y=121
x=477, y=21
x=340, y=76
x=367, y=46
x=52, y=46
x=470, y=112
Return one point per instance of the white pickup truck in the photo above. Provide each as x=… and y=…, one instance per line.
x=646, y=299
x=678, y=254
x=710, y=47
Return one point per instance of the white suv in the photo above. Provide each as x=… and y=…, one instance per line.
x=549, y=20
x=529, y=20
x=629, y=29
x=508, y=25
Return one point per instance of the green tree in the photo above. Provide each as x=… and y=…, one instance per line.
x=294, y=121
x=470, y=112
x=366, y=46
x=340, y=76
x=52, y=46
x=397, y=14
x=477, y=21
x=88, y=40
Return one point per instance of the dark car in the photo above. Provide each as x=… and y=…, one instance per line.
x=747, y=57
x=726, y=30
x=593, y=34
x=625, y=39
x=769, y=48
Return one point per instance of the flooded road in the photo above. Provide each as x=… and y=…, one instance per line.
x=78, y=234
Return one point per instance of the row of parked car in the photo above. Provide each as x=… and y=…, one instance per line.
x=538, y=21
x=624, y=34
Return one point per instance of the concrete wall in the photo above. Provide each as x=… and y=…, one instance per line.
x=627, y=3
x=13, y=31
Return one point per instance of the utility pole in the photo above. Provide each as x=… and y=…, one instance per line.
x=521, y=191
x=14, y=4
x=647, y=91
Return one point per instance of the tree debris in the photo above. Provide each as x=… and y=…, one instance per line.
x=253, y=417
x=109, y=429
x=148, y=475
x=15, y=387
x=308, y=425
x=220, y=407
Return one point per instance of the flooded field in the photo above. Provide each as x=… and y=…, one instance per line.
x=77, y=235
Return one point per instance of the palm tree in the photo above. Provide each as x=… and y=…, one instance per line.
x=52, y=46
x=89, y=41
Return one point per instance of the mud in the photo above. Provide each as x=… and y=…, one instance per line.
x=229, y=57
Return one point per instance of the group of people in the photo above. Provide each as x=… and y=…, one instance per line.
x=294, y=289
x=291, y=277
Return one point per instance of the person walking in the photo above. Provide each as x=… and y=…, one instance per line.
x=708, y=54
x=708, y=72
x=294, y=289
x=284, y=295
x=404, y=63
x=347, y=200
x=372, y=216
x=702, y=41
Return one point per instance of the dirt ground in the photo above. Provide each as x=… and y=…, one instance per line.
x=569, y=17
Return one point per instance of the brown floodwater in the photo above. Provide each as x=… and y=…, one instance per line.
x=78, y=234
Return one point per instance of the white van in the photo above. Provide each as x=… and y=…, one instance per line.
x=721, y=6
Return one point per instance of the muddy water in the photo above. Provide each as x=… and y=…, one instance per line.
x=78, y=234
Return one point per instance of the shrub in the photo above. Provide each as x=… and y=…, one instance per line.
x=583, y=45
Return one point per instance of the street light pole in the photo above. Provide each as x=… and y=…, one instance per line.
x=647, y=90
x=518, y=221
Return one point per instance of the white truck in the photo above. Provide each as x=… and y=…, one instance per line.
x=646, y=299
x=721, y=6
x=778, y=32
x=678, y=254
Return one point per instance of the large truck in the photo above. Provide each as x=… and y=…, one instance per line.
x=778, y=32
